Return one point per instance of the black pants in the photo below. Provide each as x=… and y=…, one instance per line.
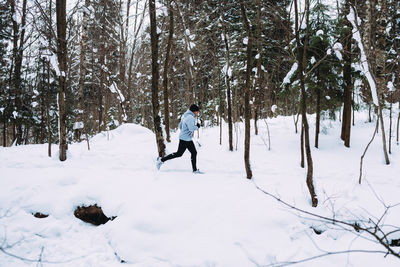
x=181, y=149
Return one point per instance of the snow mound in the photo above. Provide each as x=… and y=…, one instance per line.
x=128, y=132
x=171, y=217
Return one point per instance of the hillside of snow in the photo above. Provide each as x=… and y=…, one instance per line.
x=172, y=217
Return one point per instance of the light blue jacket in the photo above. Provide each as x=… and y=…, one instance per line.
x=187, y=126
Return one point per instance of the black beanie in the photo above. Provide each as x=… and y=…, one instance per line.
x=194, y=108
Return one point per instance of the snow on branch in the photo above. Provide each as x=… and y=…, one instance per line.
x=114, y=89
x=364, y=61
x=289, y=75
x=52, y=58
x=227, y=71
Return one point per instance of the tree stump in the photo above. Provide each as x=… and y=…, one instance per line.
x=92, y=214
x=40, y=215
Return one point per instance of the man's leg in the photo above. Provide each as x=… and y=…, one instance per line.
x=193, y=151
x=181, y=148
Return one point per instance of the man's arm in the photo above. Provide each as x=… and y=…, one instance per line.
x=191, y=124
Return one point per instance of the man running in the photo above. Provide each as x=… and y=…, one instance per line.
x=187, y=126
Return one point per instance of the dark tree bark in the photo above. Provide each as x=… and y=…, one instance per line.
x=166, y=70
x=129, y=106
x=79, y=127
x=302, y=145
x=318, y=115
x=220, y=111
x=154, y=81
x=228, y=85
x=102, y=124
x=124, y=29
x=213, y=112
x=103, y=90
x=397, y=128
x=49, y=36
x=49, y=139
x=257, y=102
x=18, y=53
x=381, y=68
x=346, y=122
x=42, y=107
x=4, y=133
x=93, y=89
x=247, y=94
x=62, y=62
x=390, y=125
x=301, y=58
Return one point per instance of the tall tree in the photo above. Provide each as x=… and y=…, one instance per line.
x=257, y=93
x=79, y=122
x=18, y=53
x=166, y=70
x=154, y=80
x=228, y=72
x=62, y=84
x=348, y=85
x=5, y=37
x=301, y=60
x=250, y=41
x=380, y=55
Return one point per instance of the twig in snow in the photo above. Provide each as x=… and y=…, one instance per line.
x=373, y=229
x=269, y=137
x=365, y=151
x=39, y=263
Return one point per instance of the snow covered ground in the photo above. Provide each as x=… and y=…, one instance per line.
x=172, y=217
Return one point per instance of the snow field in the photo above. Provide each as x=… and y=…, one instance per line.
x=172, y=217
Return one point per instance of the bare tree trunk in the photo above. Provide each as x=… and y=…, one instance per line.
x=26, y=134
x=106, y=108
x=247, y=94
x=42, y=108
x=48, y=109
x=48, y=86
x=213, y=112
x=228, y=85
x=318, y=116
x=366, y=149
x=220, y=130
x=62, y=61
x=381, y=68
x=220, y=111
x=166, y=70
x=296, y=121
x=353, y=108
x=257, y=102
x=301, y=62
x=14, y=134
x=154, y=81
x=124, y=29
x=397, y=130
x=346, y=122
x=369, y=113
x=4, y=133
x=390, y=127
x=102, y=124
x=173, y=105
x=96, y=123
x=387, y=161
x=18, y=52
x=137, y=30
x=302, y=145
x=79, y=123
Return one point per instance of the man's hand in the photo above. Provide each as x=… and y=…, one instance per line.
x=198, y=125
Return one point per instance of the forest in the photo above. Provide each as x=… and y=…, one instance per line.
x=73, y=70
